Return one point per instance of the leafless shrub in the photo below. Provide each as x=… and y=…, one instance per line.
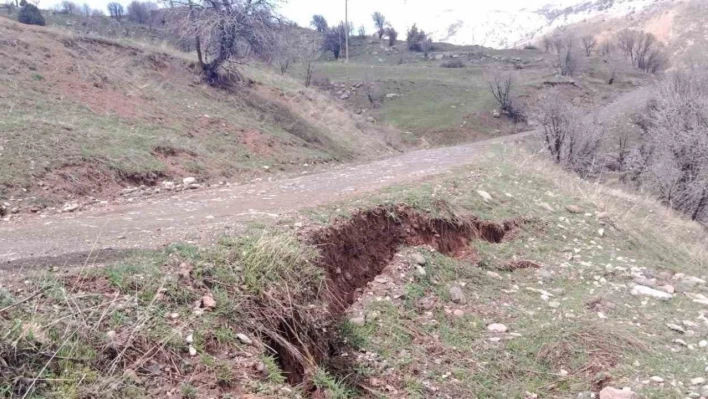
x=676, y=138
x=140, y=11
x=547, y=43
x=380, y=23
x=643, y=50
x=228, y=30
x=116, y=11
x=319, y=23
x=567, y=61
x=589, y=43
x=392, y=35
x=627, y=42
x=501, y=86
x=362, y=31
x=569, y=140
x=606, y=48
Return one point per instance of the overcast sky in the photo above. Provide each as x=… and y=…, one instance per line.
x=401, y=13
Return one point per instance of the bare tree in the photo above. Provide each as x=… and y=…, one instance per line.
x=627, y=42
x=426, y=46
x=116, y=10
x=501, y=85
x=589, y=43
x=392, y=35
x=547, y=43
x=606, y=48
x=319, y=23
x=140, y=12
x=568, y=139
x=334, y=40
x=69, y=7
x=228, y=30
x=380, y=23
x=362, y=31
x=567, y=62
x=677, y=143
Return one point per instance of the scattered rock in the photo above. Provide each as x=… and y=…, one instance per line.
x=458, y=313
x=192, y=351
x=370, y=119
x=497, y=328
x=676, y=327
x=391, y=96
x=189, y=180
x=371, y=316
x=485, y=195
x=111, y=335
x=358, y=321
x=669, y=289
x=648, y=282
x=70, y=207
x=244, y=339
x=650, y=292
x=418, y=259
x=573, y=209
x=698, y=381
x=494, y=275
x=601, y=232
x=546, y=206
x=189, y=339
x=420, y=271
x=208, y=302
x=456, y=294
x=614, y=393
x=496, y=114
x=169, y=185
x=586, y=395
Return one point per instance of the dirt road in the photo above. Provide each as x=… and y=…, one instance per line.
x=197, y=216
x=201, y=215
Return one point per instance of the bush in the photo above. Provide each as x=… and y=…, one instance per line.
x=530, y=47
x=569, y=139
x=415, y=39
x=30, y=15
x=453, y=64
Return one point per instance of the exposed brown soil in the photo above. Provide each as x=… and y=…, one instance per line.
x=356, y=250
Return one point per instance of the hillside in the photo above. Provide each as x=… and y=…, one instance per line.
x=88, y=117
x=438, y=105
x=507, y=278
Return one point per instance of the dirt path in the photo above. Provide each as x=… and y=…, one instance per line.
x=201, y=215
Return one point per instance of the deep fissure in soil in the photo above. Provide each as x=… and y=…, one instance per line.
x=353, y=252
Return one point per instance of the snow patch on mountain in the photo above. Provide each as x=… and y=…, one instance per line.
x=506, y=29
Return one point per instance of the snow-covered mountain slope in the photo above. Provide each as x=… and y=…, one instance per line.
x=505, y=28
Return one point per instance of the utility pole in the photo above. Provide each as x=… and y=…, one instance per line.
x=346, y=26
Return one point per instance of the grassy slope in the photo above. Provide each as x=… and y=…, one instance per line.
x=86, y=116
x=586, y=332
x=445, y=105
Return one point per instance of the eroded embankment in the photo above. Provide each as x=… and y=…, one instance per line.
x=354, y=251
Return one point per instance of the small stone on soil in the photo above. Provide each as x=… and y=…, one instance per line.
x=418, y=259
x=497, y=328
x=358, y=321
x=456, y=294
x=244, y=339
